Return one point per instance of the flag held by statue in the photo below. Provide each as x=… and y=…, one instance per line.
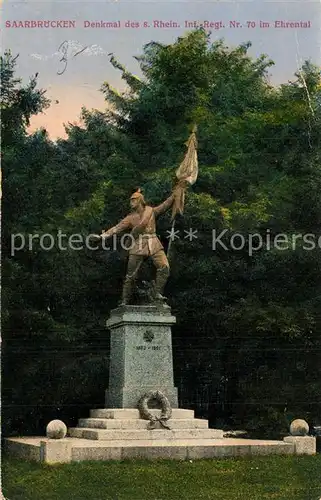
x=186, y=173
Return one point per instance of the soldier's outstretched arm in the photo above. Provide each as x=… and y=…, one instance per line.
x=123, y=225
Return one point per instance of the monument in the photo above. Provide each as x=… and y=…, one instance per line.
x=141, y=402
x=141, y=345
x=141, y=417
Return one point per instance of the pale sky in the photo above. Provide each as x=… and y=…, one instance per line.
x=79, y=84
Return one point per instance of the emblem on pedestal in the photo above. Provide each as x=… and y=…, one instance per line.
x=148, y=336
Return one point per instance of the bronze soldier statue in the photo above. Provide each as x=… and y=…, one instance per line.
x=142, y=225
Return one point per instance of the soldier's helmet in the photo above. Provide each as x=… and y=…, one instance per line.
x=138, y=195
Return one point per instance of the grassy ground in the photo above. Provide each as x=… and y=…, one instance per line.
x=274, y=477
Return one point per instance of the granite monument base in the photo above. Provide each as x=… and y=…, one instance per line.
x=140, y=361
x=141, y=357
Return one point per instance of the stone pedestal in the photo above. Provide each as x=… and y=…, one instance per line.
x=141, y=356
x=55, y=451
x=303, y=445
x=141, y=360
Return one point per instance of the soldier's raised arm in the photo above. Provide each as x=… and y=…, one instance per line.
x=163, y=207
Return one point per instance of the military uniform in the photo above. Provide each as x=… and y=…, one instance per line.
x=144, y=243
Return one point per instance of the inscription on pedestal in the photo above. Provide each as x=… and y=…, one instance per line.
x=147, y=347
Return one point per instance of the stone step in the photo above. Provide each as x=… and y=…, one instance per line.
x=127, y=413
x=182, y=450
x=28, y=448
x=138, y=423
x=155, y=434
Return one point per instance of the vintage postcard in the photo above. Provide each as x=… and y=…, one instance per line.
x=161, y=249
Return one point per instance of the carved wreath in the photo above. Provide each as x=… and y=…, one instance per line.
x=166, y=412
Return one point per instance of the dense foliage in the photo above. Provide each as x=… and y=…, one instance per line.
x=247, y=349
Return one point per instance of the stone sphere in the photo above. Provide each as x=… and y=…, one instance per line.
x=56, y=429
x=299, y=427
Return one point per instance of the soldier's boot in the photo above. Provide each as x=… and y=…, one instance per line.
x=127, y=290
x=161, y=280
